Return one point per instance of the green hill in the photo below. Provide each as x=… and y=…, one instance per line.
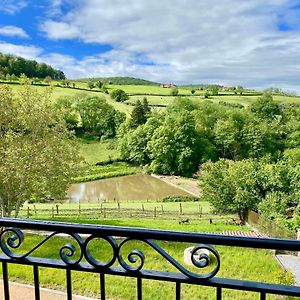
x=120, y=80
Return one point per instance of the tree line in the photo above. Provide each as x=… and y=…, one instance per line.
x=14, y=65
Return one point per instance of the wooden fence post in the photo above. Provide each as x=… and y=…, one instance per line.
x=154, y=211
x=57, y=209
x=180, y=209
x=143, y=209
x=118, y=205
x=79, y=209
x=200, y=211
x=28, y=212
x=34, y=208
x=52, y=212
x=162, y=208
x=104, y=215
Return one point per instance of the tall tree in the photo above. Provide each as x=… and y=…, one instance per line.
x=37, y=157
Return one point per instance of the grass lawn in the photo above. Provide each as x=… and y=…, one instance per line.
x=237, y=263
x=95, y=151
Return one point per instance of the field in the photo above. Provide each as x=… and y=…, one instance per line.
x=156, y=96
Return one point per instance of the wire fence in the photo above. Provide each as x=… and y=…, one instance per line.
x=102, y=211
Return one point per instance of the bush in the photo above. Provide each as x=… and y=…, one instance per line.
x=180, y=199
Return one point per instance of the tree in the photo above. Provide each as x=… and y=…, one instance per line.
x=67, y=109
x=173, y=146
x=193, y=91
x=119, y=95
x=138, y=115
x=214, y=89
x=98, y=117
x=48, y=80
x=99, y=84
x=90, y=84
x=265, y=107
x=240, y=90
x=37, y=156
x=231, y=187
x=174, y=92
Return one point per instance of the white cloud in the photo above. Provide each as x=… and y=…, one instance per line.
x=28, y=52
x=12, y=6
x=13, y=31
x=229, y=41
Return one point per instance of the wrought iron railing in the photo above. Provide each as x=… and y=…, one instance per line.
x=14, y=232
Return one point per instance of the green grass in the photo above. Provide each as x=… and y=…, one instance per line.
x=237, y=263
x=106, y=171
x=146, y=89
x=95, y=151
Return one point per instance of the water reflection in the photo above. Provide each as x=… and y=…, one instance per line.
x=132, y=187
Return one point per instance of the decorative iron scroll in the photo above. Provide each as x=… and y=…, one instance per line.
x=11, y=240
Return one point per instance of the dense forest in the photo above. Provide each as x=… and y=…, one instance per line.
x=14, y=65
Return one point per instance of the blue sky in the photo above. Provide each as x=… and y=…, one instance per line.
x=252, y=43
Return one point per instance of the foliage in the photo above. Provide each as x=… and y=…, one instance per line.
x=13, y=65
x=91, y=84
x=265, y=107
x=37, y=156
x=67, y=109
x=98, y=117
x=180, y=199
x=140, y=113
x=239, y=186
x=122, y=81
x=230, y=186
x=174, y=145
x=119, y=95
x=105, y=171
x=174, y=92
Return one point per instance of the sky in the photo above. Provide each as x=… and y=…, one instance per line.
x=252, y=43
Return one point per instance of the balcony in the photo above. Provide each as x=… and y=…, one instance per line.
x=76, y=254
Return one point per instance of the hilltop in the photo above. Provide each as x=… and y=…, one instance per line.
x=120, y=80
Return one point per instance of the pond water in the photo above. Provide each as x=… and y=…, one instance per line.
x=131, y=187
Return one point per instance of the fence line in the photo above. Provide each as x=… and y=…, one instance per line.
x=159, y=212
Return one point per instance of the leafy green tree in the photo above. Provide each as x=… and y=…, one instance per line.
x=138, y=115
x=99, y=84
x=37, y=156
x=213, y=89
x=97, y=116
x=174, y=92
x=193, y=91
x=240, y=90
x=119, y=95
x=265, y=107
x=231, y=187
x=66, y=107
x=146, y=107
x=90, y=84
x=173, y=147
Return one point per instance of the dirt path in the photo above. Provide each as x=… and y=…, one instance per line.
x=187, y=184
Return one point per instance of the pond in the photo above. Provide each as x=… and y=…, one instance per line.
x=131, y=187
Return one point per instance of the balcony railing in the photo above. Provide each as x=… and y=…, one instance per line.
x=15, y=231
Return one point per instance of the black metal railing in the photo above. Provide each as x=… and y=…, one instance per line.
x=15, y=231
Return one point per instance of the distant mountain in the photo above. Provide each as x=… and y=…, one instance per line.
x=15, y=65
x=120, y=80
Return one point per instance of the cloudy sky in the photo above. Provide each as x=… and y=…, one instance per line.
x=253, y=43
